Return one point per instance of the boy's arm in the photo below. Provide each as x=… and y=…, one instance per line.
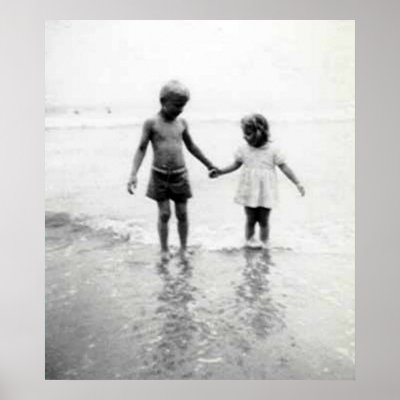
x=139, y=155
x=192, y=148
x=291, y=176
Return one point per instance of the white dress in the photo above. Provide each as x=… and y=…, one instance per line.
x=258, y=181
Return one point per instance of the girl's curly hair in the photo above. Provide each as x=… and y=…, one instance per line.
x=257, y=128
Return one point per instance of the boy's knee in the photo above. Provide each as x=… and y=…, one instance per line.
x=181, y=216
x=165, y=216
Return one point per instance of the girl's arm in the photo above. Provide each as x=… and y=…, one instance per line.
x=291, y=176
x=230, y=168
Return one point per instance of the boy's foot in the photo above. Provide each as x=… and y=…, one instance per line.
x=165, y=256
x=253, y=244
x=183, y=254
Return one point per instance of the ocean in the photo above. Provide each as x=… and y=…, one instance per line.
x=114, y=312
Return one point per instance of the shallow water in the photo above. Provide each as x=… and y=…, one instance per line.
x=114, y=312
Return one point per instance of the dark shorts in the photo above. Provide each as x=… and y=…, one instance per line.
x=169, y=185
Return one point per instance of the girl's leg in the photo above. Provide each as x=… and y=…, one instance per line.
x=164, y=213
x=263, y=220
x=251, y=219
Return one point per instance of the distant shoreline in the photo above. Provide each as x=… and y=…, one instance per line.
x=101, y=120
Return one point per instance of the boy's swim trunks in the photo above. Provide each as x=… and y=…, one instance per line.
x=166, y=184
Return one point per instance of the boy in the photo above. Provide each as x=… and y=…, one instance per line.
x=169, y=178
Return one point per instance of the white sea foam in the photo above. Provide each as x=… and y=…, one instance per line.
x=226, y=238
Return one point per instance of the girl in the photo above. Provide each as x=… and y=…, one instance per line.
x=257, y=190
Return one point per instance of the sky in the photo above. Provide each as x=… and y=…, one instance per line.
x=229, y=66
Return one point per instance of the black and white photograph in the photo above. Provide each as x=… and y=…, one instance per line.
x=199, y=200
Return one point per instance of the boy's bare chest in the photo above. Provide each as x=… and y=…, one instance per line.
x=171, y=132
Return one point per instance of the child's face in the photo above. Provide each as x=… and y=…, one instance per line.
x=248, y=134
x=172, y=106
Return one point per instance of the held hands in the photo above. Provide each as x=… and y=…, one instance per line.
x=214, y=173
x=132, y=183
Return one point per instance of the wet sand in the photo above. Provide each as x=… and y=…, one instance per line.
x=113, y=311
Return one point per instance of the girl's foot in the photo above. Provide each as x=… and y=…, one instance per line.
x=253, y=243
x=265, y=245
x=165, y=256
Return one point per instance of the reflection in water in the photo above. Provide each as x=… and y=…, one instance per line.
x=194, y=341
x=257, y=307
x=178, y=326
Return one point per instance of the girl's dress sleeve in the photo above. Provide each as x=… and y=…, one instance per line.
x=279, y=157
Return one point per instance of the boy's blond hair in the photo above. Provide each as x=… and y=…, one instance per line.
x=176, y=88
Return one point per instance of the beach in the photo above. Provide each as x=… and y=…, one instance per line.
x=114, y=312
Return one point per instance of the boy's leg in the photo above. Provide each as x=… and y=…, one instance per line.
x=263, y=220
x=251, y=219
x=164, y=213
x=183, y=223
